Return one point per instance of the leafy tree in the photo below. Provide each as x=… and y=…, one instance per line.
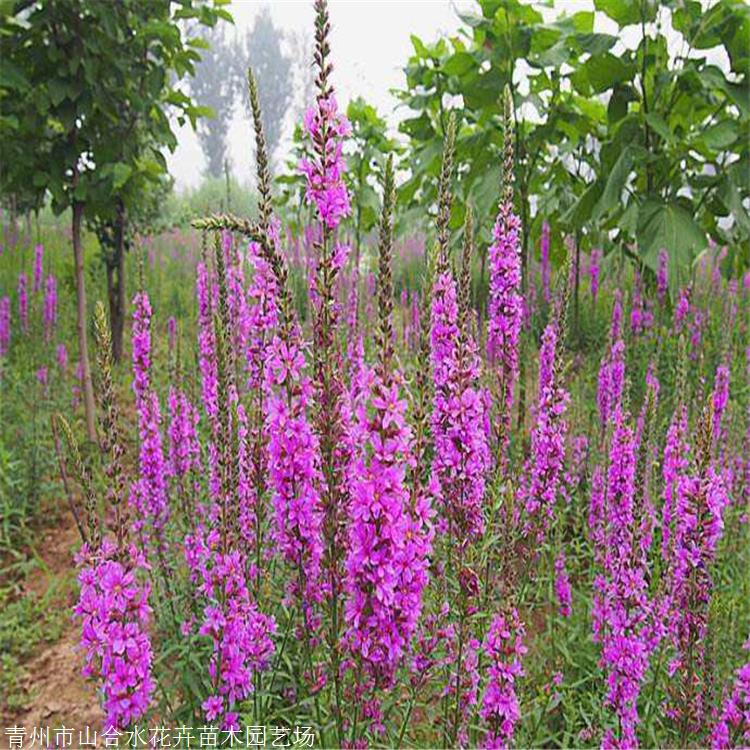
x=675, y=159
x=215, y=84
x=85, y=109
x=272, y=68
x=365, y=162
x=469, y=72
x=644, y=147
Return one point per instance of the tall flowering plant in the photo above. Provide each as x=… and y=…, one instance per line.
x=5, y=329
x=148, y=494
x=505, y=650
x=701, y=497
x=620, y=604
x=505, y=305
x=50, y=307
x=541, y=484
x=326, y=128
x=23, y=302
x=113, y=606
x=389, y=541
x=240, y=634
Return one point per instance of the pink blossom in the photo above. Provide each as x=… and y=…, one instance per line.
x=504, y=649
x=4, y=325
x=23, y=303
x=505, y=310
x=326, y=127
x=50, y=307
x=38, y=269
x=562, y=586
x=114, y=613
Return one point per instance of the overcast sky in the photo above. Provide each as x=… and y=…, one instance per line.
x=370, y=46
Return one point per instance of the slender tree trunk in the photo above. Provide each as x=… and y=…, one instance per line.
x=13, y=218
x=482, y=294
x=524, y=293
x=83, y=349
x=577, y=281
x=116, y=285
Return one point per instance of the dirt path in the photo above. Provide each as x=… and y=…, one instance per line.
x=57, y=693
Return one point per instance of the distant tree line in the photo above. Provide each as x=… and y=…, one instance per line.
x=220, y=84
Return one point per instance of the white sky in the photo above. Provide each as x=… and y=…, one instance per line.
x=370, y=46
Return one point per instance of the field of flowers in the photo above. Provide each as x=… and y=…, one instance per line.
x=407, y=504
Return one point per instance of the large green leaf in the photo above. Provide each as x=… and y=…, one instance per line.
x=627, y=12
x=600, y=73
x=611, y=196
x=672, y=227
x=580, y=212
x=459, y=63
x=120, y=175
x=721, y=135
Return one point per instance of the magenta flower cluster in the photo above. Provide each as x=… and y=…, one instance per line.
x=594, y=272
x=38, y=268
x=504, y=650
x=662, y=276
x=206, y=292
x=622, y=609
x=541, y=483
x=732, y=728
x=326, y=190
x=50, y=307
x=386, y=567
x=23, y=302
x=294, y=470
x=184, y=448
x=702, y=497
x=505, y=309
x=149, y=493
x=241, y=635
x=562, y=586
x=4, y=325
x=459, y=417
x=115, y=615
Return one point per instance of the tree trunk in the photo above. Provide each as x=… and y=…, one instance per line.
x=83, y=349
x=577, y=282
x=116, y=285
x=524, y=293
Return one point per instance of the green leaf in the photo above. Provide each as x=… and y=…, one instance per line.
x=459, y=63
x=659, y=126
x=721, y=135
x=120, y=174
x=612, y=195
x=419, y=47
x=12, y=77
x=58, y=90
x=583, y=21
x=672, y=227
x=580, y=212
x=617, y=108
x=627, y=12
x=596, y=44
x=601, y=72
